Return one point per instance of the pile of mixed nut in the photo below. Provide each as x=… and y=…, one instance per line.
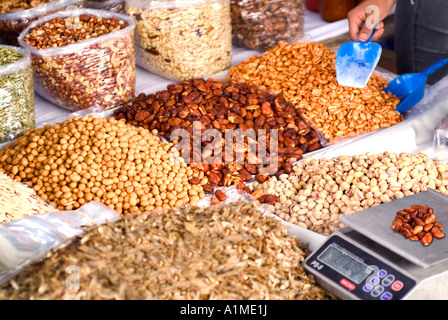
x=16, y=15
x=88, y=62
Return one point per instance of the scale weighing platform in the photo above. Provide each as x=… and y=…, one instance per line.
x=368, y=260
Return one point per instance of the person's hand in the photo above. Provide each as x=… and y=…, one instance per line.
x=357, y=19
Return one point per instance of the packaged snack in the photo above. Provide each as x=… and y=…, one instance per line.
x=180, y=40
x=117, y=6
x=16, y=15
x=261, y=24
x=88, y=62
x=16, y=92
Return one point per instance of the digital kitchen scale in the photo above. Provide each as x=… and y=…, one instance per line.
x=368, y=260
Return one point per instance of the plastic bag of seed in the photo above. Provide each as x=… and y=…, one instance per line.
x=87, y=62
x=29, y=239
x=16, y=15
x=110, y=5
x=261, y=24
x=16, y=92
x=182, y=39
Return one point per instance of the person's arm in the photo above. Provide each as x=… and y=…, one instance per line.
x=357, y=19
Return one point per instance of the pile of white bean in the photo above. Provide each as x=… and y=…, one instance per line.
x=319, y=191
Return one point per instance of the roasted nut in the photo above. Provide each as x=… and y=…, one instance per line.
x=260, y=25
x=16, y=15
x=220, y=195
x=222, y=105
x=214, y=201
x=406, y=232
x=304, y=72
x=418, y=229
x=317, y=192
x=427, y=239
x=82, y=159
x=97, y=74
x=437, y=233
x=430, y=218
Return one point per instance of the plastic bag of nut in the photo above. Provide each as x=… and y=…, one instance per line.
x=117, y=6
x=261, y=24
x=15, y=16
x=16, y=92
x=180, y=40
x=88, y=62
x=440, y=140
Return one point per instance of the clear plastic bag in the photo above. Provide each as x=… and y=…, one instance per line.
x=29, y=239
x=117, y=6
x=440, y=142
x=98, y=72
x=14, y=22
x=180, y=40
x=16, y=96
x=261, y=24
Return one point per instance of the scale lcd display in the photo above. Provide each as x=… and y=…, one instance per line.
x=345, y=264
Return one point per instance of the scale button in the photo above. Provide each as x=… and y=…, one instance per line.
x=374, y=280
x=397, y=285
x=347, y=284
x=367, y=287
x=377, y=291
x=386, y=296
x=388, y=280
x=382, y=273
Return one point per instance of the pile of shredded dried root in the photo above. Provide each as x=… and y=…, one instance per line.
x=220, y=252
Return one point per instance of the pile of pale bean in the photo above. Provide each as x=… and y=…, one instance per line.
x=319, y=191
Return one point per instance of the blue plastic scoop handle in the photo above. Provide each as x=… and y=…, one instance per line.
x=411, y=86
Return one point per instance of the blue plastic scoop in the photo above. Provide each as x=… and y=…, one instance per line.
x=411, y=86
x=355, y=62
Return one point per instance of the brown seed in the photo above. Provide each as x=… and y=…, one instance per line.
x=427, y=239
x=220, y=195
x=437, y=233
x=428, y=227
x=430, y=218
x=195, y=180
x=417, y=229
x=406, y=232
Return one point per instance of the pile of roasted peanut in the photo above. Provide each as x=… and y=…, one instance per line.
x=217, y=108
x=418, y=223
x=304, y=72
